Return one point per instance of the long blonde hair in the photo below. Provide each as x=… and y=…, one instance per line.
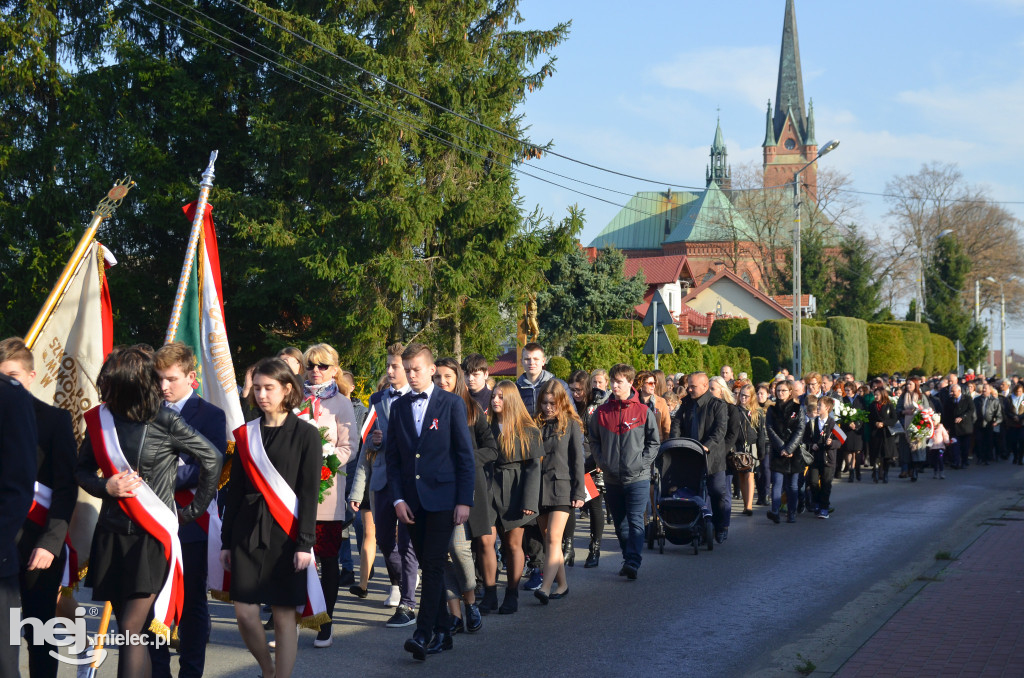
x=753, y=406
x=565, y=411
x=516, y=424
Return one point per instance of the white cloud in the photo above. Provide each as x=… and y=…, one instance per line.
x=747, y=72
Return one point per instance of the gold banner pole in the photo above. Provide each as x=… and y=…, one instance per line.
x=190, y=253
x=104, y=210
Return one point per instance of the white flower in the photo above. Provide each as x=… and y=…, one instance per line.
x=328, y=450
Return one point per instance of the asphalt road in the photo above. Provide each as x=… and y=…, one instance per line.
x=770, y=592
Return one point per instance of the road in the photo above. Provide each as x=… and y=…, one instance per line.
x=747, y=608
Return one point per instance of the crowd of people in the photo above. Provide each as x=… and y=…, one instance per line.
x=451, y=474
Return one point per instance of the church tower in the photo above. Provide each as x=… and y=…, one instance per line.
x=719, y=171
x=789, y=141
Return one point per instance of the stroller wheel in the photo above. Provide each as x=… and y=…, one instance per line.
x=709, y=535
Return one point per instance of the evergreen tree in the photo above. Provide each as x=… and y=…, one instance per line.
x=857, y=287
x=581, y=295
x=944, y=309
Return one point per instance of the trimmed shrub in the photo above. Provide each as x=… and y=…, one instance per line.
x=915, y=339
x=730, y=332
x=625, y=328
x=814, y=322
x=560, y=367
x=689, y=357
x=886, y=352
x=819, y=349
x=760, y=370
x=591, y=351
x=944, y=354
x=850, y=341
x=774, y=342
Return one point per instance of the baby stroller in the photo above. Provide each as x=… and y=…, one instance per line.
x=682, y=511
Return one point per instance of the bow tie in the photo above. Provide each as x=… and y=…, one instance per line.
x=394, y=393
x=419, y=396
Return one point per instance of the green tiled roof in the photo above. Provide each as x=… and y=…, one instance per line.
x=641, y=223
x=711, y=217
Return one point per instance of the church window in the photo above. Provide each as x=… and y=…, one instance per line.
x=790, y=144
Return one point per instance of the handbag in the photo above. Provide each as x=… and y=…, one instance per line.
x=896, y=429
x=806, y=455
x=740, y=461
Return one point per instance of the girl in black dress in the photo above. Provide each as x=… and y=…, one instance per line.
x=515, y=488
x=127, y=565
x=561, y=485
x=266, y=565
x=882, y=416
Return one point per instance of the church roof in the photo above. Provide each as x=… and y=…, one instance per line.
x=711, y=217
x=719, y=143
x=659, y=270
x=789, y=93
x=641, y=224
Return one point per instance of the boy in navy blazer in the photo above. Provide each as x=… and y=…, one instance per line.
x=176, y=365
x=430, y=471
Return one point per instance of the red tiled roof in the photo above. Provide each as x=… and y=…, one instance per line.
x=504, y=365
x=726, y=273
x=657, y=270
x=786, y=300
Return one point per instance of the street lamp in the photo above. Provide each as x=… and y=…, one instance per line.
x=797, y=330
x=918, y=307
x=1002, y=322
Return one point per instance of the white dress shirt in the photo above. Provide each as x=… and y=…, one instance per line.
x=180, y=404
x=419, y=407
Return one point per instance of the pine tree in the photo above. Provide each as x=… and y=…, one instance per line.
x=944, y=309
x=856, y=288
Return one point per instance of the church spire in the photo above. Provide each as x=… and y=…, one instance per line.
x=790, y=89
x=769, y=131
x=719, y=171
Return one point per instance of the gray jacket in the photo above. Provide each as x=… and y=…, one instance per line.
x=373, y=472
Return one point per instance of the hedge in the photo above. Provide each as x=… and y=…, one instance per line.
x=918, y=345
x=944, y=354
x=591, y=351
x=760, y=370
x=886, y=352
x=560, y=367
x=819, y=350
x=850, y=339
x=730, y=332
x=774, y=342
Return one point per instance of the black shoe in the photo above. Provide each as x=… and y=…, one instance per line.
x=631, y=571
x=721, y=535
x=748, y=512
x=457, y=626
x=774, y=517
x=593, y=558
x=346, y=578
x=473, y=619
x=441, y=642
x=622, y=570
x=559, y=596
x=851, y=478
x=417, y=645
x=791, y=519
x=403, y=616
x=510, y=605
x=569, y=553
x=358, y=591
x=489, y=602
x=541, y=596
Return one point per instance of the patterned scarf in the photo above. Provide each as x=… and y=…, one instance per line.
x=321, y=391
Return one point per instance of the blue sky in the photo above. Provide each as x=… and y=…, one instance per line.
x=900, y=83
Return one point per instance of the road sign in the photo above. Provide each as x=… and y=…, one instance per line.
x=657, y=317
x=657, y=313
x=658, y=342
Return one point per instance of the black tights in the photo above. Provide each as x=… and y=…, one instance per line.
x=132, y=617
x=596, y=509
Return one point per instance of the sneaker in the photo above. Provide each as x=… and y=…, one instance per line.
x=535, y=580
x=721, y=535
x=942, y=476
x=324, y=638
x=631, y=571
x=791, y=519
x=403, y=616
x=622, y=570
x=823, y=514
x=394, y=598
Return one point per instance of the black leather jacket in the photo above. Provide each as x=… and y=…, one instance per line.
x=152, y=449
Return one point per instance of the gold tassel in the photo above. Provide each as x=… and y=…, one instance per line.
x=159, y=628
x=225, y=473
x=312, y=622
x=222, y=596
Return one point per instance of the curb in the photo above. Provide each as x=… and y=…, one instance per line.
x=843, y=652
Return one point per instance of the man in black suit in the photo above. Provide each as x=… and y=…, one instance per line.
x=18, y=441
x=958, y=418
x=430, y=471
x=176, y=365
x=41, y=541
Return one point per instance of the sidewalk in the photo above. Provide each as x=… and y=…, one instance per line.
x=968, y=622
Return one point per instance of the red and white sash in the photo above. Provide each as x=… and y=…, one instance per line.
x=284, y=507
x=39, y=513
x=211, y=524
x=146, y=510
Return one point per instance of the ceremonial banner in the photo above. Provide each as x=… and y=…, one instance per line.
x=201, y=325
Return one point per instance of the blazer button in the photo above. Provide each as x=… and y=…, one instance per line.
x=417, y=456
x=417, y=477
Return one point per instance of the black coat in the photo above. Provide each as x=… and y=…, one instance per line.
x=734, y=429
x=854, y=432
x=988, y=412
x=18, y=440
x=822, y=443
x=963, y=410
x=882, y=441
x=485, y=453
x=785, y=425
x=516, y=484
x=1011, y=416
x=152, y=450
x=561, y=481
x=752, y=438
x=56, y=457
x=712, y=426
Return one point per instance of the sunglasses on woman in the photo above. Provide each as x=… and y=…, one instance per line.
x=322, y=367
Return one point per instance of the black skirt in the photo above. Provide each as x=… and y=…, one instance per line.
x=123, y=566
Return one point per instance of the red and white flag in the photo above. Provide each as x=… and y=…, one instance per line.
x=371, y=419
x=839, y=433
x=590, y=487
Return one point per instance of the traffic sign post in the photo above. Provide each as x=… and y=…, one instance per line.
x=657, y=317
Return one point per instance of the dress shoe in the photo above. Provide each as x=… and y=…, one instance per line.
x=774, y=517
x=457, y=625
x=631, y=571
x=441, y=642
x=593, y=558
x=358, y=591
x=541, y=596
x=473, y=619
x=510, y=605
x=721, y=535
x=324, y=638
x=748, y=512
x=417, y=645
x=489, y=602
x=559, y=596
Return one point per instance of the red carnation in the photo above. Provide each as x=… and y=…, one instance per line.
x=325, y=473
